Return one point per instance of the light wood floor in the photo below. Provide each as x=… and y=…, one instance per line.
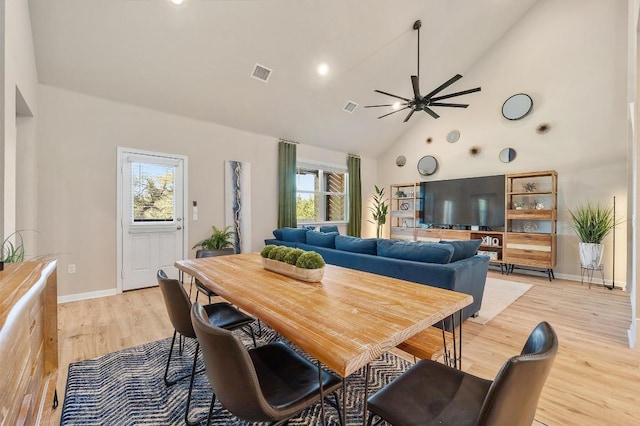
x=595, y=379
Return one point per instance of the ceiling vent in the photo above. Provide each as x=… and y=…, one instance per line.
x=261, y=73
x=350, y=106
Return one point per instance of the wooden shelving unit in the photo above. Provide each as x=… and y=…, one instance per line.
x=406, y=203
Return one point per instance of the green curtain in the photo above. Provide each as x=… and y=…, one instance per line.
x=287, y=185
x=355, y=196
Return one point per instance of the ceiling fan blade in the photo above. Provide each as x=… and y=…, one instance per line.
x=444, y=104
x=393, y=96
x=451, y=95
x=416, y=88
x=393, y=112
x=375, y=106
x=409, y=115
x=444, y=85
x=431, y=112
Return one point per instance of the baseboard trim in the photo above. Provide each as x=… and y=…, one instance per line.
x=89, y=295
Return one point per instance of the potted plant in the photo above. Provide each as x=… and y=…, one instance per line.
x=379, y=210
x=220, y=243
x=293, y=262
x=592, y=223
x=12, y=249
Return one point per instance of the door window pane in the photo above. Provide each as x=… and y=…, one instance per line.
x=152, y=191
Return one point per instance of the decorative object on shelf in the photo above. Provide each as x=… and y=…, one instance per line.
x=401, y=161
x=517, y=106
x=292, y=262
x=474, y=151
x=507, y=155
x=429, y=140
x=530, y=227
x=404, y=206
x=453, y=136
x=529, y=186
x=538, y=205
x=379, y=210
x=400, y=194
x=592, y=223
x=424, y=103
x=427, y=165
x=518, y=205
x=543, y=128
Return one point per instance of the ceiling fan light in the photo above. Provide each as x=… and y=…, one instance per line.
x=396, y=105
x=323, y=69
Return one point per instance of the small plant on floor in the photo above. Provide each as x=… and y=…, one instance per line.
x=219, y=239
x=12, y=249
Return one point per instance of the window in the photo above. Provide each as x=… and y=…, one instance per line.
x=152, y=191
x=321, y=194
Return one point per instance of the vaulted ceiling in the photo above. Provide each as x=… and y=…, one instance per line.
x=196, y=59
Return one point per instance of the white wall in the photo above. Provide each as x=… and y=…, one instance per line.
x=18, y=63
x=77, y=140
x=570, y=57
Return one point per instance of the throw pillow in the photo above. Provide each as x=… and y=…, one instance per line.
x=418, y=252
x=309, y=227
x=294, y=235
x=322, y=239
x=463, y=248
x=356, y=245
x=277, y=233
x=329, y=228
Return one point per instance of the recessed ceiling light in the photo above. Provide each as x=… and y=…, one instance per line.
x=323, y=69
x=396, y=105
x=178, y=2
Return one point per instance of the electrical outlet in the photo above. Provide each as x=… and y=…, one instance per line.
x=71, y=268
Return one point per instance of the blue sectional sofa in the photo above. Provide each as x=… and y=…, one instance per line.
x=451, y=265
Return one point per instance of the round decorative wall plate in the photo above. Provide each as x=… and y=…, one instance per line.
x=427, y=165
x=507, y=155
x=401, y=160
x=517, y=106
x=453, y=136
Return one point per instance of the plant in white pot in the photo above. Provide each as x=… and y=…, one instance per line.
x=592, y=223
x=220, y=243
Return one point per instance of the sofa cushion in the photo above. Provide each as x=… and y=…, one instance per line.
x=294, y=235
x=322, y=239
x=418, y=252
x=356, y=245
x=463, y=248
x=329, y=228
x=277, y=233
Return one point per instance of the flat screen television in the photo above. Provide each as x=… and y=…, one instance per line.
x=463, y=203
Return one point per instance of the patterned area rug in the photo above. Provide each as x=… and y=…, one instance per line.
x=498, y=295
x=127, y=388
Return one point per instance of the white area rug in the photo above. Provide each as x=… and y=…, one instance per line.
x=498, y=294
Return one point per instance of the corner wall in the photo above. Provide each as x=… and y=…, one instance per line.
x=570, y=57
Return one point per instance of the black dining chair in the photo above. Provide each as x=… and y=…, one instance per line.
x=178, y=307
x=201, y=288
x=430, y=393
x=270, y=383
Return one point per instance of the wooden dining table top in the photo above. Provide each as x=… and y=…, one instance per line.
x=345, y=321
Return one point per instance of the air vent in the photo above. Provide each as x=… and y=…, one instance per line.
x=350, y=106
x=261, y=73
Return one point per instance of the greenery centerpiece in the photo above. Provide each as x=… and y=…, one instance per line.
x=293, y=262
x=379, y=210
x=592, y=223
x=220, y=242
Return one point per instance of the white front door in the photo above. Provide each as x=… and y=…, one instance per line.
x=152, y=231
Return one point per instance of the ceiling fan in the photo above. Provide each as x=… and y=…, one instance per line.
x=424, y=103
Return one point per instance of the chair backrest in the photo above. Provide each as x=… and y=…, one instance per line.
x=513, y=396
x=230, y=370
x=178, y=304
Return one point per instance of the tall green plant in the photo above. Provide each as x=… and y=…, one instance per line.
x=379, y=210
x=592, y=223
x=219, y=239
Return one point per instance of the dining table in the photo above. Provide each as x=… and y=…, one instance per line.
x=346, y=320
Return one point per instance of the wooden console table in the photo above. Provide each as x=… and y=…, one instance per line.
x=28, y=342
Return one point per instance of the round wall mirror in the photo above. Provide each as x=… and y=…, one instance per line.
x=401, y=161
x=517, y=106
x=507, y=155
x=427, y=165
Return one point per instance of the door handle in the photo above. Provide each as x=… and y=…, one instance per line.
x=179, y=228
